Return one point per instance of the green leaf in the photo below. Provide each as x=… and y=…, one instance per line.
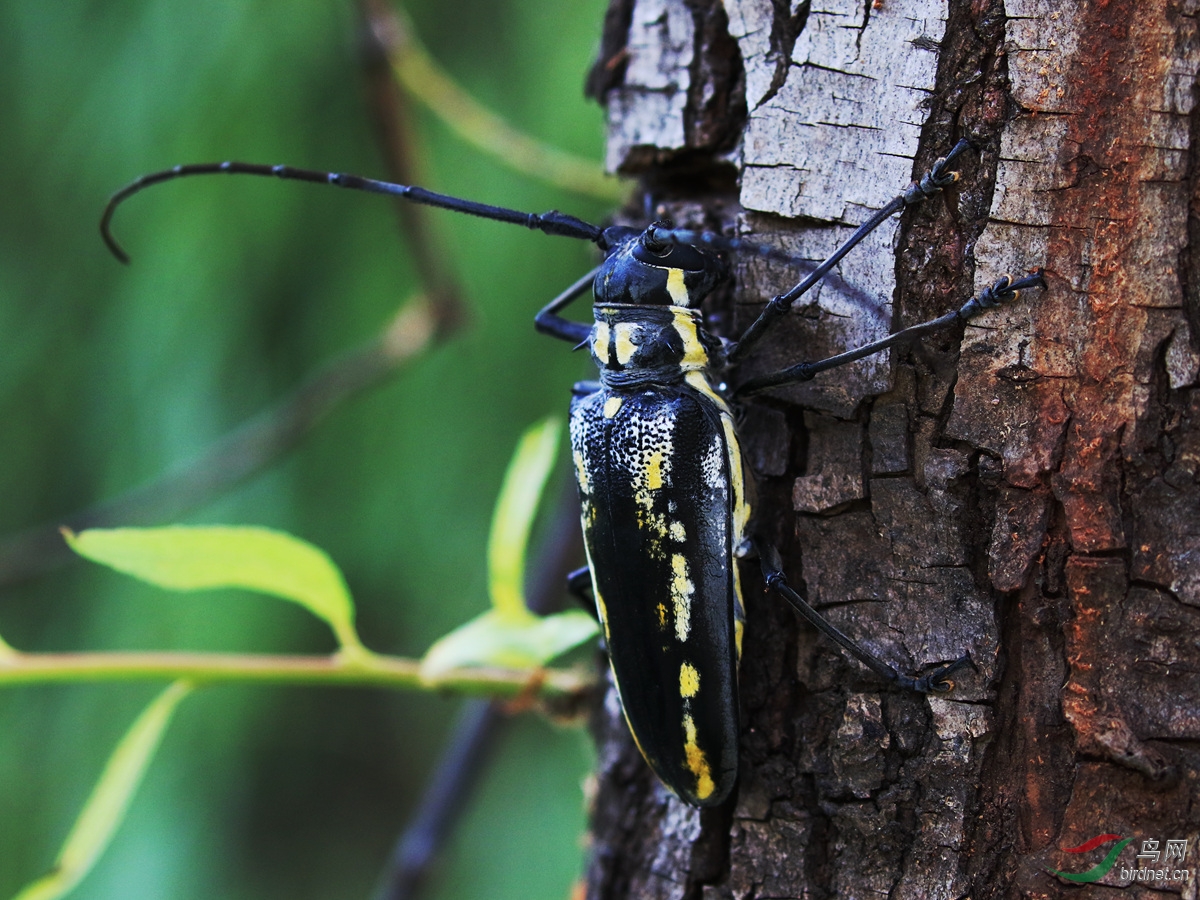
x=515, y=508
x=6, y=649
x=498, y=638
x=256, y=559
x=106, y=807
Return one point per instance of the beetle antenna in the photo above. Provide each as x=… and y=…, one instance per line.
x=552, y=222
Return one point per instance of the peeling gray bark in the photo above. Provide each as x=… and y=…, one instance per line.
x=647, y=111
x=1026, y=489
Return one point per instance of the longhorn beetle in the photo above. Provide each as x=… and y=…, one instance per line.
x=662, y=483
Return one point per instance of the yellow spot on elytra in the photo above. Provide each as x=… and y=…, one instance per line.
x=678, y=532
x=696, y=762
x=681, y=595
x=689, y=680
x=738, y=628
x=741, y=508
x=581, y=474
x=652, y=524
x=654, y=467
x=661, y=609
x=611, y=405
x=676, y=288
x=625, y=346
x=601, y=610
x=733, y=455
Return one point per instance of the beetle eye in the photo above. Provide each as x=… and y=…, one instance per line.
x=669, y=255
x=654, y=245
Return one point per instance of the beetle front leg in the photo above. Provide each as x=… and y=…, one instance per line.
x=929, y=185
x=548, y=321
x=935, y=682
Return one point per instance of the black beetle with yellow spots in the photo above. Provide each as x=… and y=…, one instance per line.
x=663, y=490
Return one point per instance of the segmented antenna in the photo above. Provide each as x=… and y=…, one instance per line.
x=552, y=222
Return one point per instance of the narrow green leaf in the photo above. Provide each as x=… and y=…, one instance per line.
x=498, y=638
x=256, y=559
x=509, y=635
x=106, y=807
x=523, y=484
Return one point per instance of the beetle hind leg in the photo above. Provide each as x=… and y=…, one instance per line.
x=934, y=682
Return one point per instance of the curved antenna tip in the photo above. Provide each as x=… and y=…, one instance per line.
x=114, y=247
x=106, y=229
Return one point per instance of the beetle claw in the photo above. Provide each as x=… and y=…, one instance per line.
x=938, y=681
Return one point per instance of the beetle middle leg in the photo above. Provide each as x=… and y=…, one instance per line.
x=935, y=682
x=1004, y=290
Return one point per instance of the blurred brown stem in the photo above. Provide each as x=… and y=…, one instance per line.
x=423, y=79
x=421, y=322
x=240, y=454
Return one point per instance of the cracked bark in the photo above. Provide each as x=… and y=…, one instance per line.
x=1027, y=490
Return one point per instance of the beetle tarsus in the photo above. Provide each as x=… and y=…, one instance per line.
x=1004, y=290
x=938, y=681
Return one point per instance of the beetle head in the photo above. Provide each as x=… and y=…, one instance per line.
x=646, y=268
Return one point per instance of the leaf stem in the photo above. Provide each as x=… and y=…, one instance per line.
x=358, y=668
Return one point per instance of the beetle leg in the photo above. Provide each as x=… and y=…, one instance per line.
x=1002, y=291
x=547, y=321
x=936, y=682
x=579, y=586
x=927, y=186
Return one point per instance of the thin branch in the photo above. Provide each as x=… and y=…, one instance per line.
x=391, y=117
x=473, y=735
x=386, y=43
x=239, y=454
x=343, y=670
x=458, y=769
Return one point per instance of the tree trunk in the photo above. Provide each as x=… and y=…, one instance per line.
x=1025, y=490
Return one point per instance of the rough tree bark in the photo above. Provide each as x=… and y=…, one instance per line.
x=1026, y=490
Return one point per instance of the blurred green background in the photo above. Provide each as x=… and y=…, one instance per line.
x=238, y=289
